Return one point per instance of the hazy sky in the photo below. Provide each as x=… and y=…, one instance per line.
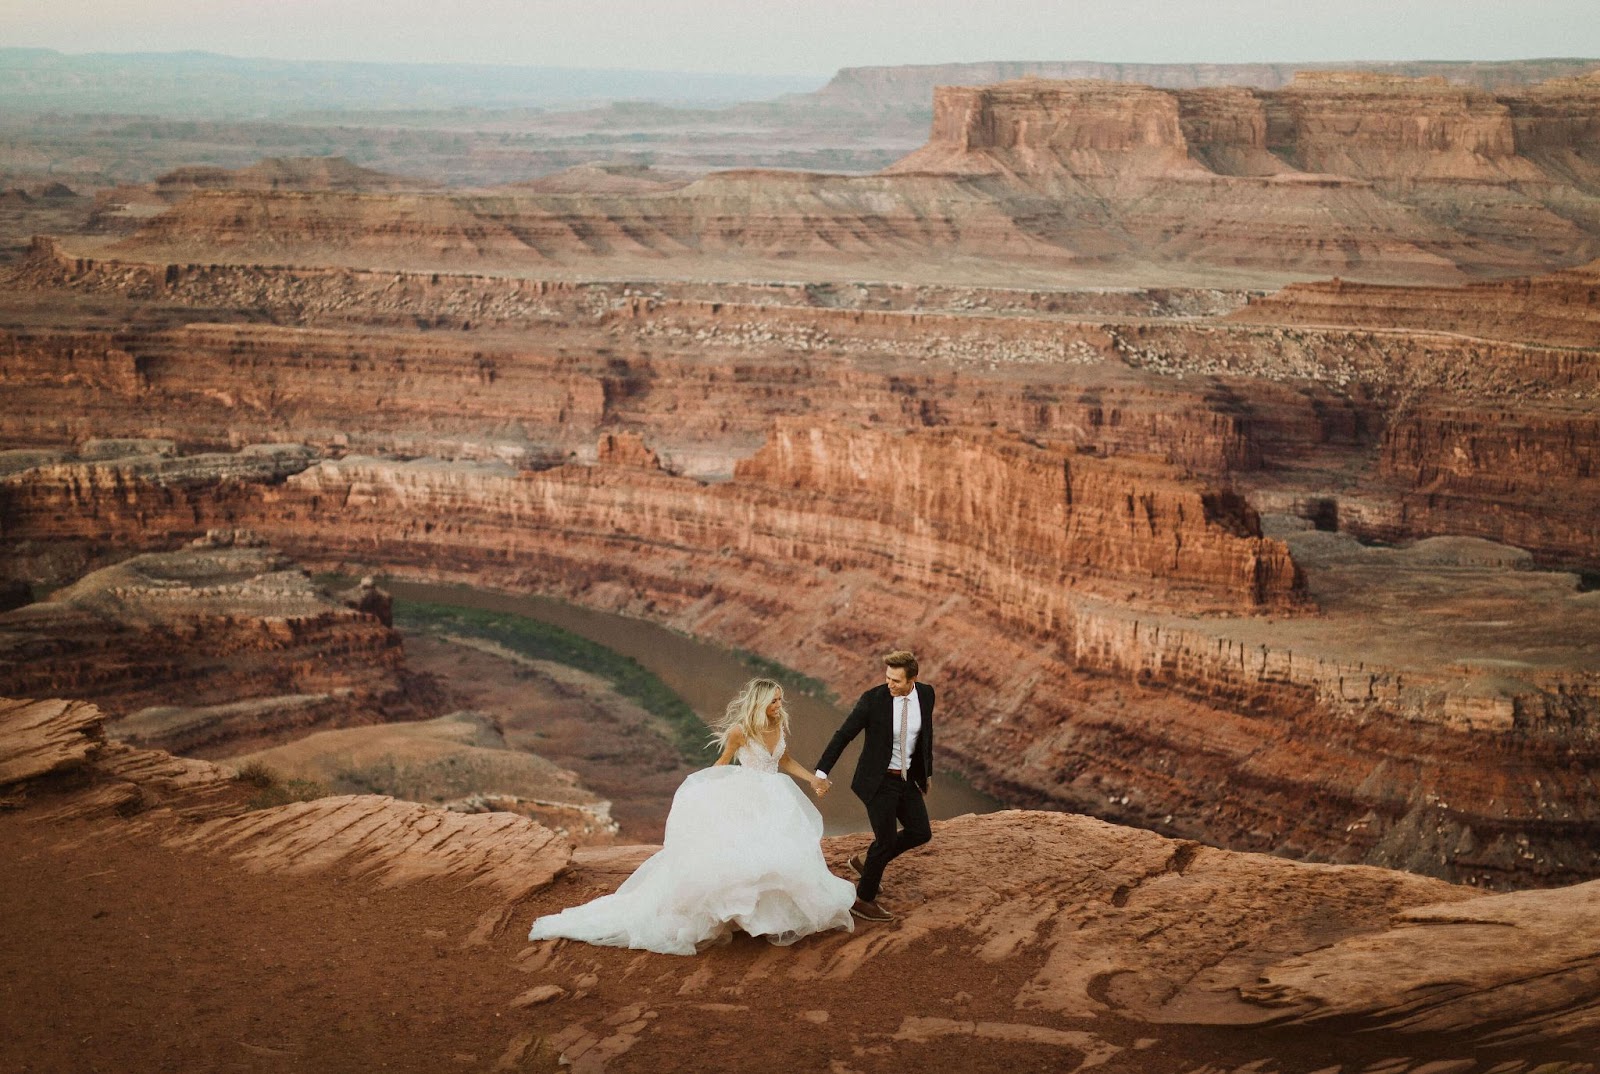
x=810, y=36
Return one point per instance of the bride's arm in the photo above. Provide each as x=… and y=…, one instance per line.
x=800, y=772
x=735, y=740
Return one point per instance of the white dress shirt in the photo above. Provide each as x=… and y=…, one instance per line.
x=907, y=709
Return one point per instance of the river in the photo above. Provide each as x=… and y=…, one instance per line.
x=706, y=676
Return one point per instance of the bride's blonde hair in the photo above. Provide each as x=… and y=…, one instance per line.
x=748, y=712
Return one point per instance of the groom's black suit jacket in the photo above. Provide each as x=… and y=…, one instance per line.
x=874, y=714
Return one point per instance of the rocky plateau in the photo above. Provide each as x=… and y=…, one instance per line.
x=1045, y=939
x=1361, y=174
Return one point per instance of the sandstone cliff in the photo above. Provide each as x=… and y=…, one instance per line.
x=1559, y=308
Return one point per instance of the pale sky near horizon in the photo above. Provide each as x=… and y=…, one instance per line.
x=815, y=37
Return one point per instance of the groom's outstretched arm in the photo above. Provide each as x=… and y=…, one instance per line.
x=848, y=730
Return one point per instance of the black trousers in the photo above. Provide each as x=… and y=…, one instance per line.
x=899, y=820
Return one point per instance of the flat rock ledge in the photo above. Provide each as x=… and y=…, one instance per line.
x=1102, y=921
x=390, y=842
x=41, y=738
x=1125, y=924
x=367, y=837
x=1512, y=969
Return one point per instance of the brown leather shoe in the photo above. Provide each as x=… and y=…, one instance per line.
x=870, y=911
x=858, y=863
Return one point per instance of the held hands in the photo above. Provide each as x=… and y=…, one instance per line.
x=820, y=785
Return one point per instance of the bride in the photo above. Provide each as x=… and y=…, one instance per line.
x=742, y=850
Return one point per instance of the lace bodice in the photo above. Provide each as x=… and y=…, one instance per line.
x=754, y=756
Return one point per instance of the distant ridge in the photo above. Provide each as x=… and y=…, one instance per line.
x=1361, y=175
x=909, y=88
x=213, y=85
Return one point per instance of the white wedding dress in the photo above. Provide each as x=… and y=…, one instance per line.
x=742, y=850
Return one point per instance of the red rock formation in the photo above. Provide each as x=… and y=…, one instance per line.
x=1561, y=308
x=215, y=385
x=1378, y=127
x=369, y=838
x=461, y=762
x=1068, y=614
x=366, y=597
x=381, y=841
x=282, y=173
x=159, y=641
x=801, y=553
x=1335, y=173
x=1039, y=523
x=627, y=449
x=1078, y=521
x=1226, y=130
x=1078, y=940
x=1553, y=121
x=1502, y=444
x=1524, y=476
x=1053, y=130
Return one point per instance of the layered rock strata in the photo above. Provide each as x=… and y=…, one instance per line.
x=370, y=838
x=720, y=466
x=1335, y=173
x=457, y=300
x=386, y=842
x=1283, y=407
x=45, y=737
x=1561, y=308
x=910, y=86
x=460, y=762
x=204, y=649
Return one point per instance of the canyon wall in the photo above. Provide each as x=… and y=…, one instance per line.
x=1463, y=462
x=1058, y=498
x=207, y=648
x=1027, y=601
x=1560, y=308
x=701, y=380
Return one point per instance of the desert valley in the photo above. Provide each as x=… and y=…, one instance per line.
x=1225, y=439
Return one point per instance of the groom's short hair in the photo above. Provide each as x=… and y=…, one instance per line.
x=902, y=658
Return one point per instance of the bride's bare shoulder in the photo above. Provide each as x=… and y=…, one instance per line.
x=736, y=736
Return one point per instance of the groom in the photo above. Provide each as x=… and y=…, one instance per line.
x=892, y=776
